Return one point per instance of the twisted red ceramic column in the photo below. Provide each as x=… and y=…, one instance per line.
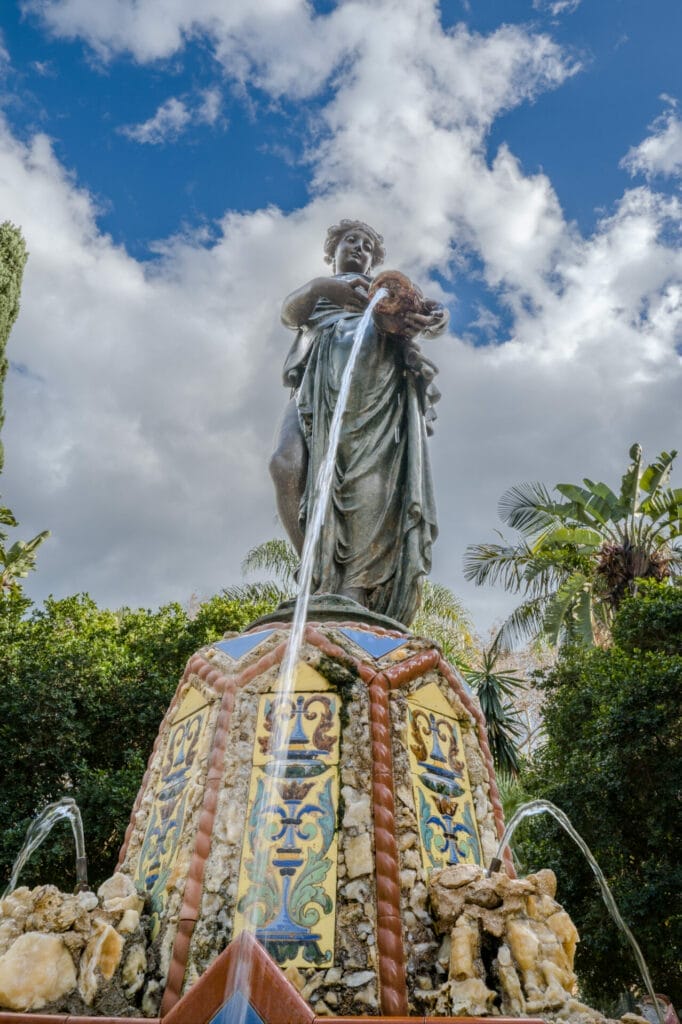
x=392, y=983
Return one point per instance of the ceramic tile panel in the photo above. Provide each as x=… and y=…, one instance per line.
x=237, y=1010
x=287, y=879
x=440, y=781
x=374, y=644
x=238, y=646
x=185, y=747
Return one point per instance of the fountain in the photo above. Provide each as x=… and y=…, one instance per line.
x=319, y=813
x=37, y=833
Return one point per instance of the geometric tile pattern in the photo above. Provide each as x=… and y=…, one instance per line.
x=287, y=878
x=374, y=644
x=237, y=1010
x=440, y=782
x=238, y=646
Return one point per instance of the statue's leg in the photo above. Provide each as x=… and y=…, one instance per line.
x=288, y=469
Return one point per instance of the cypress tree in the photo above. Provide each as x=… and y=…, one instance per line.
x=13, y=256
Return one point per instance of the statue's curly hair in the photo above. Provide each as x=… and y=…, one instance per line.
x=337, y=231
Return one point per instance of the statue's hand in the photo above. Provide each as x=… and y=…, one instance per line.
x=431, y=322
x=349, y=294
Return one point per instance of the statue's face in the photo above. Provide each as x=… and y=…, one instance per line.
x=354, y=253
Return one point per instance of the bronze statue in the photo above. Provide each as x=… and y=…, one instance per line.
x=376, y=540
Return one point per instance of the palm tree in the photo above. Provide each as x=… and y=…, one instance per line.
x=495, y=689
x=575, y=560
x=17, y=561
x=443, y=618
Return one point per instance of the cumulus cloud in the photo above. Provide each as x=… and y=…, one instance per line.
x=661, y=152
x=141, y=432
x=173, y=117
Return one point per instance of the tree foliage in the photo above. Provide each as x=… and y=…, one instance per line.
x=83, y=691
x=613, y=762
x=13, y=258
x=575, y=558
x=496, y=688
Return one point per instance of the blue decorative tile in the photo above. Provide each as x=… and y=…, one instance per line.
x=237, y=1010
x=375, y=644
x=241, y=645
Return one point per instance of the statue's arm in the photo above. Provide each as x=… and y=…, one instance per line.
x=349, y=294
x=431, y=322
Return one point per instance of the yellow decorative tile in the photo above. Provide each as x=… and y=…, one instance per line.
x=287, y=877
x=431, y=698
x=191, y=702
x=185, y=746
x=305, y=726
x=287, y=880
x=306, y=678
x=440, y=783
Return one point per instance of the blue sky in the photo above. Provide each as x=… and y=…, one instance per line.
x=174, y=166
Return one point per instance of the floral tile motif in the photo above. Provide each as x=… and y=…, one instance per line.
x=238, y=646
x=185, y=746
x=287, y=879
x=374, y=644
x=440, y=782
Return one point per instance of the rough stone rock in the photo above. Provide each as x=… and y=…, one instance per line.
x=358, y=811
x=464, y=946
x=533, y=965
x=544, y=882
x=35, y=971
x=513, y=1001
x=129, y=923
x=99, y=961
x=358, y=978
x=359, y=855
x=18, y=905
x=133, y=970
x=524, y=944
x=118, y=894
x=470, y=998
x=456, y=876
x=9, y=931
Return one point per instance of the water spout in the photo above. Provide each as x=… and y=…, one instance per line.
x=320, y=506
x=38, y=831
x=534, y=807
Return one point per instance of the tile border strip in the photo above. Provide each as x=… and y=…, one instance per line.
x=392, y=978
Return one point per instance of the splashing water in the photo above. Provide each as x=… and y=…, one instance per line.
x=534, y=807
x=287, y=673
x=38, y=831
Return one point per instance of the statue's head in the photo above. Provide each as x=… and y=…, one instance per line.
x=338, y=231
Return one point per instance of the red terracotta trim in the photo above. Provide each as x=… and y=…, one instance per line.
x=405, y=671
x=191, y=903
x=392, y=981
x=326, y=646
x=7, y=1017
x=245, y=967
x=472, y=707
x=427, y=1020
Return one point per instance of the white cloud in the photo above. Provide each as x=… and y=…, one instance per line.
x=174, y=116
x=661, y=152
x=557, y=7
x=167, y=124
x=144, y=443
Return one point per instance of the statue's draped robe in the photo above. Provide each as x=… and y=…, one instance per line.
x=378, y=532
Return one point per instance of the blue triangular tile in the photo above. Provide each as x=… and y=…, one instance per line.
x=237, y=1010
x=238, y=646
x=374, y=643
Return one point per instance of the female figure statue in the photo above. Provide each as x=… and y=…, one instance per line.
x=376, y=540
